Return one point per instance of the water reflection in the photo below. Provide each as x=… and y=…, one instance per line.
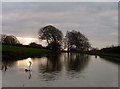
x=54, y=64
x=6, y=64
x=96, y=56
x=75, y=63
x=29, y=73
x=64, y=70
x=50, y=68
x=110, y=59
x=4, y=67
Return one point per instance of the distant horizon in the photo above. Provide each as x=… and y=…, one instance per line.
x=97, y=21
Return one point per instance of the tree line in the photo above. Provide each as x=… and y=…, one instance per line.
x=73, y=40
x=12, y=40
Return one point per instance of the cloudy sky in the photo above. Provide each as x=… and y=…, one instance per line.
x=97, y=20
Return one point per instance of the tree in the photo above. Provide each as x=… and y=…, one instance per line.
x=35, y=45
x=76, y=40
x=55, y=46
x=2, y=38
x=9, y=39
x=50, y=34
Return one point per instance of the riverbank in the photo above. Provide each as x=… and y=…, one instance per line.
x=112, y=56
x=14, y=52
x=115, y=56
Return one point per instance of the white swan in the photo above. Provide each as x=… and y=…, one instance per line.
x=28, y=69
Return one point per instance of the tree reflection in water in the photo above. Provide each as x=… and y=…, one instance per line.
x=51, y=70
x=52, y=67
x=55, y=64
x=75, y=63
x=6, y=64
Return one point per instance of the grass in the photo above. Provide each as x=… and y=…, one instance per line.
x=15, y=52
x=107, y=54
x=112, y=56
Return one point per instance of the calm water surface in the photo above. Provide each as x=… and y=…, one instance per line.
x=64, y=70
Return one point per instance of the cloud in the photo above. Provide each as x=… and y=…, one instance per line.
x=27, y=41
x=61, y=1
x=98, y=21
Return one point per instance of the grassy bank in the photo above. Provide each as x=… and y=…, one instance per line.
x=116, y=55
x=105, y=54
x=14, y=52
x=111, y=56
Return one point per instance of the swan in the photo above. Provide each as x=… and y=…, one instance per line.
x=28, y=69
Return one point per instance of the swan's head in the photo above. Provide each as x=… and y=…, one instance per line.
x=29, y=61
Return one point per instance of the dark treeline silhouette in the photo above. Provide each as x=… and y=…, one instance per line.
x=55, y=46
x=13, y=41
x=50, y=34
x=114, y=49
x=53, y=36
x=35, y=45
x=73, y=41
x=111, y=49
x=31, y=45
x=109, y=53
x=76, y=41
x=5, y=39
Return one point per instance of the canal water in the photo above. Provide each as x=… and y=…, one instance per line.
x=63, y=70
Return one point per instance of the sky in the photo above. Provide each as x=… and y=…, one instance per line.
x=98, y=21
x=60, y=0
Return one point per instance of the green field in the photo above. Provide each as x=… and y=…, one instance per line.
x=14, y=52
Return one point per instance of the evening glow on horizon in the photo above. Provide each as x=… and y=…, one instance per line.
x=28, y=41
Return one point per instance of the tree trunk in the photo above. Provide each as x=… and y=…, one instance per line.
x=47, y=42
